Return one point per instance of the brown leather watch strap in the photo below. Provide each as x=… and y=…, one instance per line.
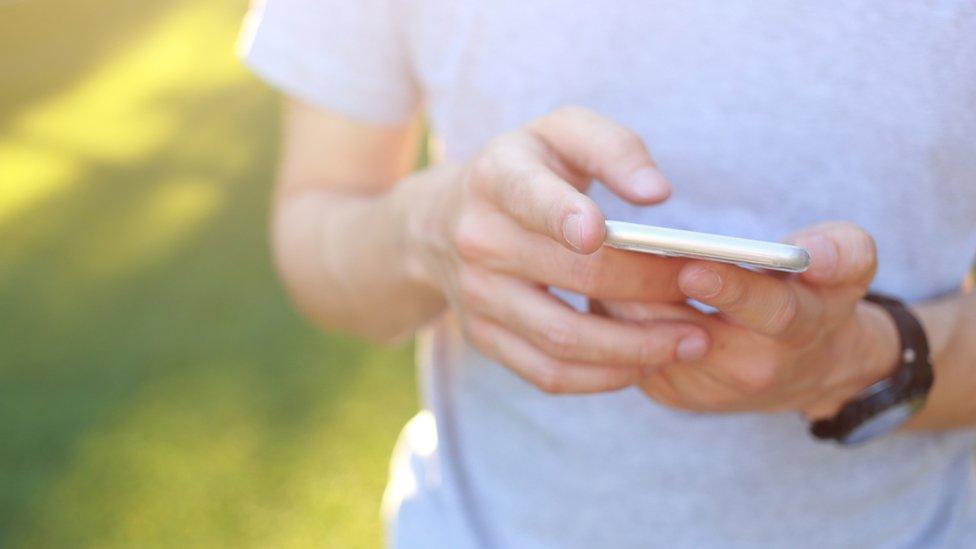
x=910, y=382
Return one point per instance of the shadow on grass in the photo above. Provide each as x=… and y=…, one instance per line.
x=46, y=45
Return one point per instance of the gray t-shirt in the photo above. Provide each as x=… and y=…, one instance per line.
x=767, y=116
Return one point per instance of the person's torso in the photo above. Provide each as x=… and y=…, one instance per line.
x=766, y=117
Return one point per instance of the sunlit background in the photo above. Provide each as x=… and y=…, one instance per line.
x=156, y=388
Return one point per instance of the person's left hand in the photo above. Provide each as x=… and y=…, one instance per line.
x=803, y=343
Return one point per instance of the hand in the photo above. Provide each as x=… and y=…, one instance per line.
x=779, y=343
x=494, y=234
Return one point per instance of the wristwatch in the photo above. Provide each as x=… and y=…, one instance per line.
x=887, y=404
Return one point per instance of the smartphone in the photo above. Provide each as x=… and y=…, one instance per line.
x=713, y=247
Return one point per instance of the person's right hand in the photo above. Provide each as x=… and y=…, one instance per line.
x=495, y=233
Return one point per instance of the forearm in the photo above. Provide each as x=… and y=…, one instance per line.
x=950, y=324
x=343, y=257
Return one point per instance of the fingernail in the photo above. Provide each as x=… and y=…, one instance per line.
x=703, y=283
x=823, y=254
x=573, y=231
x=649, y=184
x=691, y=348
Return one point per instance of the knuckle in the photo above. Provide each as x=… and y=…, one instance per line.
x=660, y=280
x=621, y=377
x=709, y=402
x=493, y=157
x=559, y=336
x=586, y=275
x=754, y=378
x=680, y=405
x=720, y=403
x=470, y=238
x=626, y=141
x=666, y=393
x=478, y=336
x=570, y=111
x=499, y=146
x=525, y=186
x=649, y=352
x=549, y=378
x=471, y=287
x=483, y=166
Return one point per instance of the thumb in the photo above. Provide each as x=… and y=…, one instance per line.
x=841, y=253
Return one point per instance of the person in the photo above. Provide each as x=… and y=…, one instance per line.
x=574, y=395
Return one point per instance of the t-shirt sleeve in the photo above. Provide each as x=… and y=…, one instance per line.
x=346, y=56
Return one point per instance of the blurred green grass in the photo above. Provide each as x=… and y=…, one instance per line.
x=156, y=388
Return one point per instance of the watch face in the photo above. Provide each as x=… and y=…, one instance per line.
x=883, y=423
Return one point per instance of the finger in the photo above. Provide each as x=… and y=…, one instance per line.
x=599, y=147
x=659, y=388
x=841, y=253
x=765, y=304
x=608, y=273
x=698, y=391
x=645, y=311
x=512, y=175
x=564, y=333
x=501, y=245
x=549, y=374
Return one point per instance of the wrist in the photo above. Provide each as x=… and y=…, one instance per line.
x=869, y=347
x=881, y=342
x=422, y=203
x=895, y=398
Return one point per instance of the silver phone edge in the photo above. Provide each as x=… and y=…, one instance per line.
x=726, y=249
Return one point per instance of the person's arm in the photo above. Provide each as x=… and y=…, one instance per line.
x=363, y=249
x=337, y=231
x=950, y=324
